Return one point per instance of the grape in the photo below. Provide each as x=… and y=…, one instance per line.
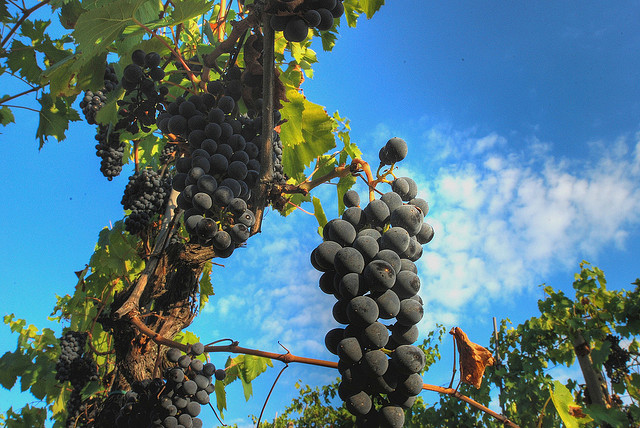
x=348, y=260
x=173, y=355
x=326, y=280
x=392, y=417
x=359, y=404
x=221, y=240
x=312, y=17
x=407, y=284
x=411, y=312
x=407, y=217
x=340, y=312
x=138, y=57
x=197, y=348
x=408, y=359
x=111, y=150
x=220, y=374
x=377, y=212
x=296, y=30
x=404, y=335
x=375, y=362
x=279, y=23
x=412, y=385
x=151, y=60
x=367, y=246
x=362, y=310
x=333, y=338
x=421, y=204
x=351, y=285
x=375, y=336
x=390, y=257
x=325, y=254
x=379, y=275
x=197, y=366
x=340, y=231
x=351, y=199
x=401, y=400
x=392, y=199
x=388, y=304
x=425, y=235
x=408, y=265
x=394, y=151
x=349, y=350
x=145, y=195
x=395, y=239
x=326, y=20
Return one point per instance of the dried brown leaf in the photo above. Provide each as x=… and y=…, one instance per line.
x=473, y=358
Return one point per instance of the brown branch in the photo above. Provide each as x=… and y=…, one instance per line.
x=290, y=358
x=18, y=23
x=266, y=149
x=454, y=393
x=239, y=27
x=162, y=241
x=28, y=91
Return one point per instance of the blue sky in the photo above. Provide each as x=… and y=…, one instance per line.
x=523, y=129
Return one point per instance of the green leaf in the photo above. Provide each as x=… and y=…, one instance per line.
x=70, y=12
x=603, y=416
x=21, y=59
x=319, y=212
x=109, y=111
x=6, y=116
x=12, y=365
x=564, y=402
x=96, y=29
x=221, y=397
x=599, y=355
x=370, y=7
x=307, y=134
x=183, y=10
x=206, y=288
x=54, y=118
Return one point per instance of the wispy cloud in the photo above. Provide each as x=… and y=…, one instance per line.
x=503, y=221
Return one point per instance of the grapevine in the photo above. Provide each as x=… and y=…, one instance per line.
x=209, y=118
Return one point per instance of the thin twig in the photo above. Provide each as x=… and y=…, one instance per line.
x=18, y=23
x=28, y=91
x=269, y=394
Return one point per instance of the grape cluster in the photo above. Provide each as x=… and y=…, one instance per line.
x=168, y=153
x=143, y=99
x=311, y=13
x=78, y=368
x=74, y=365
x=80, y=413
x=175, y=401
x=92, y=102
x=616, y=363
x=111, y=150
x=229, y=85
x=145, y=195
x=368, y=258
x=216, y=177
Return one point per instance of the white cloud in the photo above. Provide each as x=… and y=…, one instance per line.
x=502, y=222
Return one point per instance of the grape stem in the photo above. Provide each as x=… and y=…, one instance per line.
x=288, y=358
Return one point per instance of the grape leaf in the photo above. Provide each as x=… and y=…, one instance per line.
x=307, y=134
x=319, y=212
x=96, y=29
x=6, y=116
x=206, y=288
x=566, y=406
x=21, y=59
x=54, y=118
